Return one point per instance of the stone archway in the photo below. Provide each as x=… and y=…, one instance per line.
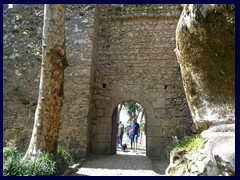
x=141, y=116
x=163, y=121
x=103, y=142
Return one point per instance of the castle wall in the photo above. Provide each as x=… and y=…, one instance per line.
x=115, y=53
x=136, y=61
x=22, y=60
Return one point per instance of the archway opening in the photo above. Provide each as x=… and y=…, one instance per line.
x=123, y=141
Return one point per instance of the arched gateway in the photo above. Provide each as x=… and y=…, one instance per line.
x=125, y=112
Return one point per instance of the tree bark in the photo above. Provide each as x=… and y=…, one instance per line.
x=143, y=112
x=119, y=111
x=48, y=113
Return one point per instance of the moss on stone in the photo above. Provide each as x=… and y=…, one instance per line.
x=207, y=49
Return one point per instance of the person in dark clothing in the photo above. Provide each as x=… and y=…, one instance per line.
x=134, y=133
x=121, y=126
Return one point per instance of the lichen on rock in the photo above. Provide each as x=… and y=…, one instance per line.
x=205, y=48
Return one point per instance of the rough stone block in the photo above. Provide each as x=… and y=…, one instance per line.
x=104, y=128
x=101, y=104
x=104, y=138
x=154, y=122
x=158, y=153
x=176, y=113
x=155, y=131
x=184, y=121
x=156, y=142
x=101, y=148
x=169, y=132
x=159, y=112
x=108, y=112
x=105, y=120
x=170, y=122
x=159, y=103
x=99, y=112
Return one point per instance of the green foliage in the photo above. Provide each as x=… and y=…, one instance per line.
x=64, y=159
x=142, y=126
x=41, y=165
x=189, y=143
x=9, y=152
x=44, y=164
x=13, y=165
x=132, y=108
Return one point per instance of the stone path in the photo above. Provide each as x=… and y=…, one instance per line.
x=126, y=163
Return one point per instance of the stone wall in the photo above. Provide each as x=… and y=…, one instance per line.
x=22, y=60
x=22, y=39
x=136, y=61
x=115, y=53
x=78, y=78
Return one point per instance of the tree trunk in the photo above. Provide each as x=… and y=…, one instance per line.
x=48, y=113
x=119, y=110
x=143, y=112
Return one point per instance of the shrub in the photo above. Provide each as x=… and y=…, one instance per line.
x=64, y=159
x=44, y=164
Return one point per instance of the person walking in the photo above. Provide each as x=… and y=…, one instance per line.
x=121, y=126
x=134, y=133
x=120, y=134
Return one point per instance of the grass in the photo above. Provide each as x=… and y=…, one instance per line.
x=45, y=164
x=189, y=143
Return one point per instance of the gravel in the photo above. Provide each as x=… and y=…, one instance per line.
x=126, y=163
x=121, y=164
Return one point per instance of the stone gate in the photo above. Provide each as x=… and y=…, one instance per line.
x=116, y=53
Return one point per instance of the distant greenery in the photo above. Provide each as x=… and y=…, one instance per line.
x=45, y=164
x=142, y=125
x=189, y=143
x=133, y=109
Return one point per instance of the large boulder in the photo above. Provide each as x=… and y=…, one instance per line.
x=205, y=48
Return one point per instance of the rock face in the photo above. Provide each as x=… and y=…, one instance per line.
x=187, y=164
x=220, y=146
x=205, y=40
x=217, y=158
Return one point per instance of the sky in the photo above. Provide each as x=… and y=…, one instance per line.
x=124, y=117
